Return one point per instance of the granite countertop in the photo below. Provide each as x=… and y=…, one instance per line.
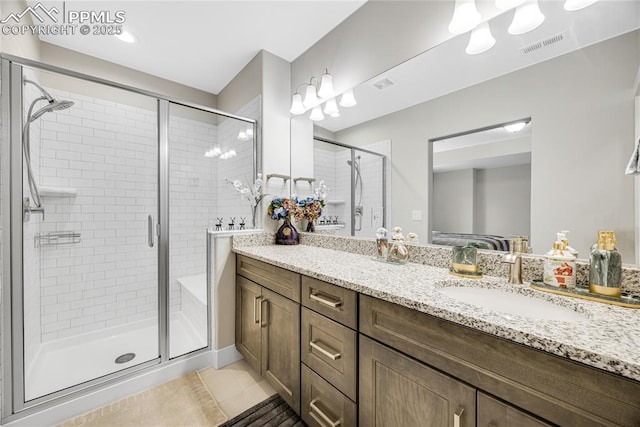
x=608, y=337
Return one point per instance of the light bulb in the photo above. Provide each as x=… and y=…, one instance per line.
x=326, y=86
x=508, y=4
x=296, y=104
x=527, y=18
x=316, y=114
x=348, y=100
x=465, y=17
x=573, y=5
x=310, y=97
x=331, y=107
x=515, y=127
x=481, y=39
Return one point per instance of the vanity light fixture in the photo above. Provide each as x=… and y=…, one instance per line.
x=310, y=96
x=214, y=152
x=316, y=114
x=515, y=127
x=296, y=105
x=331, y=108
x=348, y=100
x=573, y=5
x=465, y=17
x=326, y=86
x=245, y=135
x=527, y=18
x=481, y=39
x=228, y=155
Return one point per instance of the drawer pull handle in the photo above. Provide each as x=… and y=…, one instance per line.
x=457, y=416
x=324, y=416
x=255, y=306
x=325, y=301
x=332, y=356
x=264, y=316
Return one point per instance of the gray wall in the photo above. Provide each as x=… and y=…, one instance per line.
x=503, y=200
x=454, y=201
x=582, y=108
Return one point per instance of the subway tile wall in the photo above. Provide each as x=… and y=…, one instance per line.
x=107, y=151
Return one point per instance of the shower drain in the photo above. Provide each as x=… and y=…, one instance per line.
x=125, y=357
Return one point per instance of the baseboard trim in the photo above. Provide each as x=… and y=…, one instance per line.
x=226, y=356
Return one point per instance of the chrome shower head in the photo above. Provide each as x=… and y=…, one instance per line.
x=53, y=105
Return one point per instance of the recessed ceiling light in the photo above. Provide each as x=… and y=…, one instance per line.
x=126, y=37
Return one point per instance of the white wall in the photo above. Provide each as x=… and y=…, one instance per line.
x=454, y=201
x=582, y=107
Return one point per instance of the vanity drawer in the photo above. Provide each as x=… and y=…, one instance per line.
x=323, y=405
x=333, y=301
x=279, y=280
x=329, y=348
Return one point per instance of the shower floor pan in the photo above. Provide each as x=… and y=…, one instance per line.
x=71, y=361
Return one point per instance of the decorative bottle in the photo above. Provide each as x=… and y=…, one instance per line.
x=559, y=266
x=398, y=253
x=605, y=266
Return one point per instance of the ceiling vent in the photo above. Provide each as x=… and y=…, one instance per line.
x=383, y=83
x=543, y=43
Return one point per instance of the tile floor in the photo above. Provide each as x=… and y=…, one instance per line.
x=236, y=387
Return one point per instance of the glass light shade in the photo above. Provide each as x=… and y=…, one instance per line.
x=508, y=4
x=465, y=17
x=310, y=97
x=336, y=114
x=572, y=5
x=515, y=127
x=348, y=100
x=242, y=136
x=527, y=18
x=296, y=104
x=316, y=114
x=249, y=132
x=216, y=151
x=126, y=37
x=481, y=39
x=326, y=86
x=331, y=107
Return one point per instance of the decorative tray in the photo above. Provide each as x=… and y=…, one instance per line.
x=626, y=300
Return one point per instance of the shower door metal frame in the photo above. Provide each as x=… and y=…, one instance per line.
x=384, y=159
x=14, y=404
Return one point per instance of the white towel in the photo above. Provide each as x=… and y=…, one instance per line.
x=633, y=167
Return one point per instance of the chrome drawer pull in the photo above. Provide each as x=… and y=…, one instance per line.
x=457, y=416
x=321, y=300
x=332, y=356
x=324, y=416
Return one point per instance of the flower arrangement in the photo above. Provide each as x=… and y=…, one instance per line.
x=283, y=208
x=310, y=208
x=253, y=194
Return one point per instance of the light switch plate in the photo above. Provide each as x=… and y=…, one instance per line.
x=416, y=215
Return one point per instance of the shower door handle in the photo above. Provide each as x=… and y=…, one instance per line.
x=150, y=230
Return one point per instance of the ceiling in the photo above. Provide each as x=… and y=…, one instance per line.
x=444, y=69
x=204, y=44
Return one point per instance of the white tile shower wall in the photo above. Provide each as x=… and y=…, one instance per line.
x=108, y=152
x=32, y=261
x=193, y=194
x=372, y=194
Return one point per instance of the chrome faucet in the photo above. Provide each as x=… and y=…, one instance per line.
x=518, y=246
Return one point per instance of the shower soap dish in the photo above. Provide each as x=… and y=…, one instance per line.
x=625, y=300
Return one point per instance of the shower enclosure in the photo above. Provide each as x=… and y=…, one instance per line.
x=107, y=193
x=357, y=178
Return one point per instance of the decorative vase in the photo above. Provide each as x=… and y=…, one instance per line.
x=254, y=211
x=311, y=226
x=287, y=234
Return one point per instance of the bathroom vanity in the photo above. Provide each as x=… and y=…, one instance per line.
x=347, y=340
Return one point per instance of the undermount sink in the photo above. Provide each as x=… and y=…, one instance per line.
x=512, y=303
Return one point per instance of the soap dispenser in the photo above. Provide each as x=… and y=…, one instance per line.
x=564, y=237
x=605, y=266
x=559, y=266
x=398, y=253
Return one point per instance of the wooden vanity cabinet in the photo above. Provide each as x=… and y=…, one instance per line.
x=268, y=328
x=493, y=413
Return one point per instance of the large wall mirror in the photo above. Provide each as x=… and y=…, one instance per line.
x=573, y=80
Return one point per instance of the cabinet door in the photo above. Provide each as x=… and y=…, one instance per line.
x=281, y=346
x=248, y=333
x=398, y=391
x=493, y=413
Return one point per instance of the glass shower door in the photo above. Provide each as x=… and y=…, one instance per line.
x=90, y=256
